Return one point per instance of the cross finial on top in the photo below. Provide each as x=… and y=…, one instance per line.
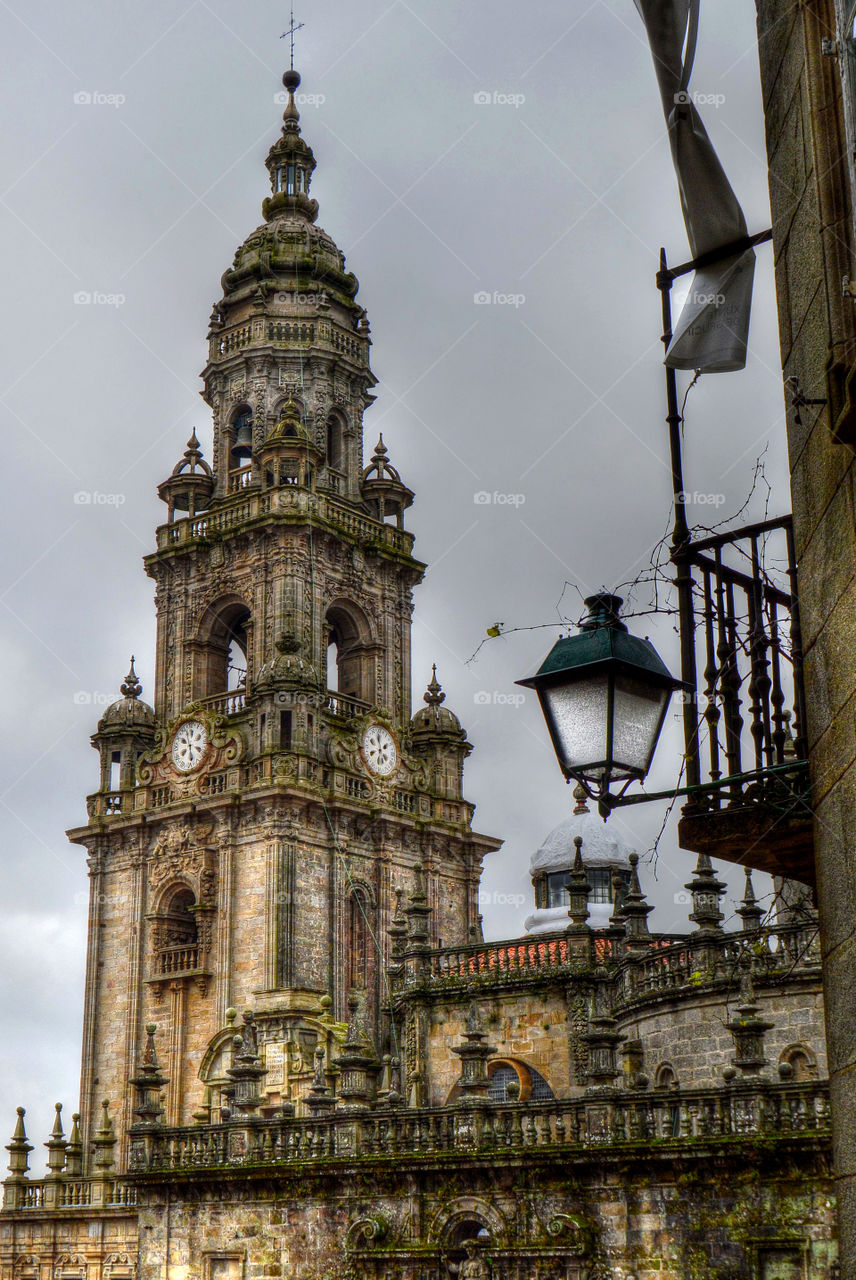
x=290, y=33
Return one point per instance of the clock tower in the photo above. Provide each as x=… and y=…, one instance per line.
x=261, y=827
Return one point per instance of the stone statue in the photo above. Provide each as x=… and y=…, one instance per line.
x=473, y=1267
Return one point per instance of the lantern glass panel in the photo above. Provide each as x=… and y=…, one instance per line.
x=578, y=714
x=639, y=709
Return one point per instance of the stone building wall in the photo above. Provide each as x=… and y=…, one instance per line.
x=810, y=185
x=692, y=1036
x=529, y=1027
x=693, y=1221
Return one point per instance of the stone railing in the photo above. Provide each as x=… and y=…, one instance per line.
x=177, y=960
x=345, y=707
x=230, y=703
x=49, y=1194
x=522, y=957
x=744, y=1111
x=695, y=961
x=670, y=962
x=288, y=501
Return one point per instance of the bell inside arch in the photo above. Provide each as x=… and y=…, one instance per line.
x=242, y=449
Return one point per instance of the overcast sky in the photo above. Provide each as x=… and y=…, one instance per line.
x=132, y=167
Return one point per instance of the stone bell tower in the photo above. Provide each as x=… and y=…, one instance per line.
x=254, y=829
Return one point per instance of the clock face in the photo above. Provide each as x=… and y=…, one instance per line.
x=189, y=745
x=380, y=750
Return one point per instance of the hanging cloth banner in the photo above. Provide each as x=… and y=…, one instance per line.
x=712, y=330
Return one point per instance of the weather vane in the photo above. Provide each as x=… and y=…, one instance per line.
x=290, y=32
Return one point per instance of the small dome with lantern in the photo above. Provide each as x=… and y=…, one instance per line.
x=129, y=712
x=288, y=668
x=289, y=454
x=190, y=485
x=605, y=855
x=383, y=490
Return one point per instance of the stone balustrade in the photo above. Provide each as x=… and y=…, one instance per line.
x=48, y=1195
x=287, y=502
x=741, y=1112
x=670, y=962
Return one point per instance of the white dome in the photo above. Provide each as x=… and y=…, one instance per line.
x=602, y=846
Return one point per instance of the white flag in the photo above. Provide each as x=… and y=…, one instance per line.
x=712, y=330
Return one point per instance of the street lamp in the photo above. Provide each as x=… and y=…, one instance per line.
x=604, y=694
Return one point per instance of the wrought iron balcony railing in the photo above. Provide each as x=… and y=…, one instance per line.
x=745, y=728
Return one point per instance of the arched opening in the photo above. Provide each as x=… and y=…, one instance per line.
x=180, y=919
x=512, y=1081
x=350, y=653
x=359, y=936
x=222, y=650
x=240, y=447
x=469, y=1238
x=236, y=658
x=665, y=1077
x=333, y=662
x=175, y=933
x=802, y=1063
x=335, y=442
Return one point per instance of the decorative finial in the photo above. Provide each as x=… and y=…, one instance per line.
x=579, y=891
x=288, y=642
x=636, y=910
x=19, y=1149
x=150, y=1053
x=580, y=796
x=131, y=687
x=434, y=694
x=706, y=892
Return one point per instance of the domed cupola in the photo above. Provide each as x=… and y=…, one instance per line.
x=289, y=455
x=605, y=856
x=435, y=721
x=191, y=484
x=125, y=731
x=384, y=492
x=437, y=737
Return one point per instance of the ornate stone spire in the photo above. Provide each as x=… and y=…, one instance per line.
x=474, y=1053
x=636, y=910
x=19, y=1149
x=579, y=891
x=706, y=891
x=74, y=1150
x=104, y=1141
x=748, y=1030
x=56, y=1145
x=246, y=1070
x=319, y=1099
x=749, y=911
x=148, y=1082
